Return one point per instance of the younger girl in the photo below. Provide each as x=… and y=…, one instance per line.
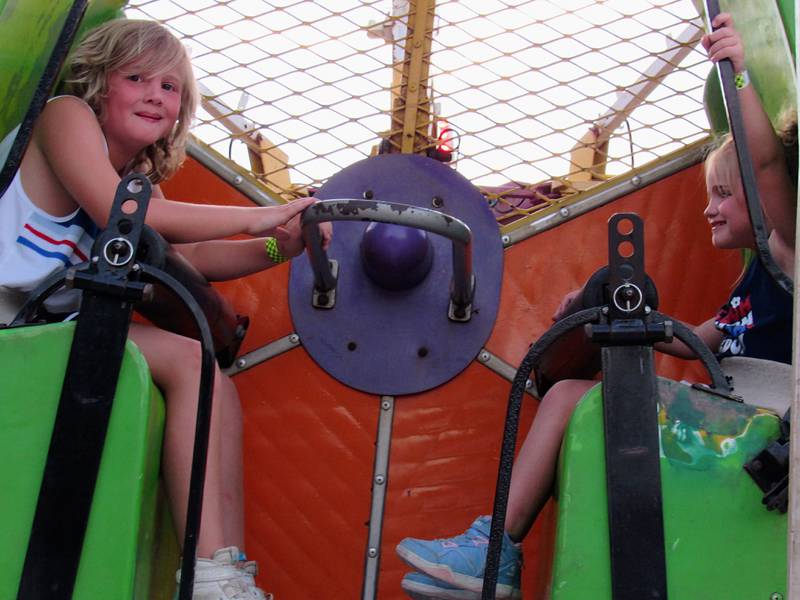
x=133, y=98
x=755, y=322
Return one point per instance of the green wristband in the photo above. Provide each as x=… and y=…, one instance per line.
x=274, y=253
x=742, y=80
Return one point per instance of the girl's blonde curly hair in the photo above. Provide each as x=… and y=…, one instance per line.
x=153, y=50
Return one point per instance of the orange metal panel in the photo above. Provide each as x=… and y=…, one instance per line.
x=693, y=278
x=308, y=456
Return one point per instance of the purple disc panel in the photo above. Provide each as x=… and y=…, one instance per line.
x=399, y=341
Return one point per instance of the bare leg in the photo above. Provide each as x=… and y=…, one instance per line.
x=232, y=491
x=535, y=467
x=175, y=365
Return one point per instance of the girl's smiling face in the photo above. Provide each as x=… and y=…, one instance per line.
x=726, y=211
x=727, y=214
x=139, y=109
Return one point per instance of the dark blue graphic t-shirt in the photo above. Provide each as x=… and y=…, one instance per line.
x=757, y=320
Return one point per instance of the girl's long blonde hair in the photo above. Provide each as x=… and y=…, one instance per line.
x=154, y=51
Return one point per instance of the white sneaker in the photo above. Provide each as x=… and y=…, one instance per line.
x=225, y=577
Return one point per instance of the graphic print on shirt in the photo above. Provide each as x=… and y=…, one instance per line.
x=733, y=320
x=69, y=242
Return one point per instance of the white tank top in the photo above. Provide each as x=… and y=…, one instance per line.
x=34, y=245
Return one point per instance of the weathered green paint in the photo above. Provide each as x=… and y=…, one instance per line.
x=720, y=540
x=769, y=50
x=127, y=526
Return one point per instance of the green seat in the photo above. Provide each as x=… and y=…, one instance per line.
x=129, y=550
x=29, y=30
x=720, y=540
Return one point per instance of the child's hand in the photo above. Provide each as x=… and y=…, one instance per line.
x=724, y=42
x=268, y=219
x=565, y=302
x=290, y=236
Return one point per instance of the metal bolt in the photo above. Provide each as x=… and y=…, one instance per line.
x=368, y=194
x=380, y=479
x=484, y=357
x=437, y=202
x=241, y=363
x=636, y=181
x=505, y=239
x=528, y=384
x=372, y=552
x=564, y=212
x=238, y=180
x=294, y=339
x=386, y=405
x=323, y=299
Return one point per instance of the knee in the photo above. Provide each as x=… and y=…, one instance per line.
x=564, y=395
x=185, y=363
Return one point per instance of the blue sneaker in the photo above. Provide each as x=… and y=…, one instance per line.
x=424, y=587
x=460, y=561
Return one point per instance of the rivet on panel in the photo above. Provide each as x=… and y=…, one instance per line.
x=238, y=180
x=386, y=405
x=380, y=479
x=484, y=357
x=505, y=239
x=564, y=212
x=241, y=363
x=294, y=339
x=372, y=552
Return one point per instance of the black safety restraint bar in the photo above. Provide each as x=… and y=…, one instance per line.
x=87, y=395
x=42, y=92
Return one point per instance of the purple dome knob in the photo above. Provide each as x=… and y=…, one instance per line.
x=396, y=257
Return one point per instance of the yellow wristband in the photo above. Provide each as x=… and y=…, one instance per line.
x=273, y=252
x=742, y=80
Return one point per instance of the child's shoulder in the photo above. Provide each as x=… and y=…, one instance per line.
x=66, y=104
x=67, y=117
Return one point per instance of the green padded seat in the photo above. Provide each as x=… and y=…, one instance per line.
x=720, y=540
x=129, y=551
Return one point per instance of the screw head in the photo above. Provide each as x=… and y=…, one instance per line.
x=505, y=239
x=372, y=552
x=241, y=363
x=564, y=212
x=380, y=479
x=294, y=339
